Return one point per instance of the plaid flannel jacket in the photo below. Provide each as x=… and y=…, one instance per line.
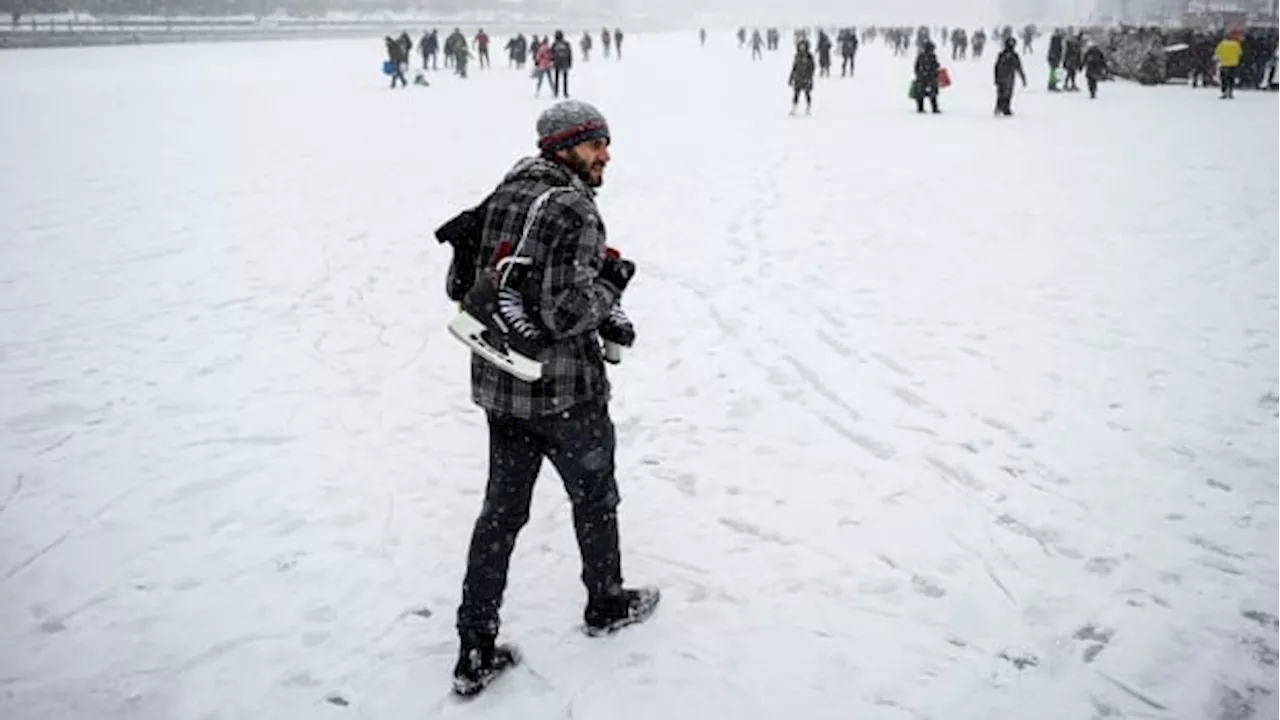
x=566, y=243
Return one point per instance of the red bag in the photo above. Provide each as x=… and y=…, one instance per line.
x=944, y=78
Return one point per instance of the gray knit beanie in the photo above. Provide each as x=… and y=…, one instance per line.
x=568, y=123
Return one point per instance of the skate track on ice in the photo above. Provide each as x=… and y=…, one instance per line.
x=928, y=418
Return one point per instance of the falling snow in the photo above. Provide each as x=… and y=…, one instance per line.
x=928, y=416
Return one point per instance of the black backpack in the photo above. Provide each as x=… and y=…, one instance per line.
x=463, y=232
x=561, y=54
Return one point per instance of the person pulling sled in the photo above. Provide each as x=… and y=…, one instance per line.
x=532, y=268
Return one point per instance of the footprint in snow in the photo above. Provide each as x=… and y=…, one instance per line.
x=1102, y=565
x=927, y=587
x=1097, y=638
x=1266, y=620
x=1230, y=704
x=1264, y=652
x=1020, y=660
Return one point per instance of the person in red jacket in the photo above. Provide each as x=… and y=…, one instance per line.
x=482, y=47
x=541, y=64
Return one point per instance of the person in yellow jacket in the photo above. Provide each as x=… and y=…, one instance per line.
x=1228, y=54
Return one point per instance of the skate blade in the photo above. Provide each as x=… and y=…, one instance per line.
x=470, y=331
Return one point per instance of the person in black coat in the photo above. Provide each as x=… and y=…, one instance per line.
x=1072, y=61
x=561, y=62
x=1055, y=59
x=1008, y=67
x=979, y=42
x=801, y=80
x=1095, y=68
x=398, y=56
x=1201, y=60
x=848, y=51
x=824, y=54
x=926, y=81
x=431, y=49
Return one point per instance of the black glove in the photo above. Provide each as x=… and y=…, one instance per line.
x=617, y=273
x=617, y=328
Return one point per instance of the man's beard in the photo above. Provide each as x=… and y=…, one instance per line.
x=580, y=168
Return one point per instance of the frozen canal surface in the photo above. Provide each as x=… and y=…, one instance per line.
x=929, y=417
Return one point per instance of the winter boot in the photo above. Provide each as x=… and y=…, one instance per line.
x=480, y=662
x=606, y=616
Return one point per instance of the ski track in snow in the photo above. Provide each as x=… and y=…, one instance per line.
x=928, y=417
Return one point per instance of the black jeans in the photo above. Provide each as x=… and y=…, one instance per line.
x=580, y=443
x=1227, y=76
x=1004, y=98
x=927, y=91
x=398, y=76
x=808, y=96
x=1093, y=85
x=560, y=82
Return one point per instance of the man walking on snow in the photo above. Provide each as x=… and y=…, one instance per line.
x=545, y=209
x=562, y=62
x=1008, y=68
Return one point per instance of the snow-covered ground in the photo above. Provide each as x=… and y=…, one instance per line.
x=930, y=417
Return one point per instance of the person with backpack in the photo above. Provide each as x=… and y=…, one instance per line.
x=801, y=80
x=455, y=51
x=1008, y=66
x=461, y=56
x=561, y=62
x=541, y=245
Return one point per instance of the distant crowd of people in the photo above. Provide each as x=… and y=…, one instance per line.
x=1227, y=59
x=1075, y=54
x=552, y=56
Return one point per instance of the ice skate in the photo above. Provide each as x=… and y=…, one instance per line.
x=494, y=325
